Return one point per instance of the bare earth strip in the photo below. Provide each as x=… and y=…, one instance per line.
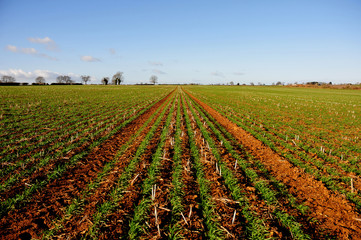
x=333, y=211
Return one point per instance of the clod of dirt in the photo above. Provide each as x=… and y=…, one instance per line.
x=25, y=236
x=40, y=223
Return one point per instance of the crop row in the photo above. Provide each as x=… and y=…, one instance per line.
x=324, y=123
x=169, y=166
x=333, y=176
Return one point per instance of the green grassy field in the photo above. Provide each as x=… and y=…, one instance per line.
x=191, y=162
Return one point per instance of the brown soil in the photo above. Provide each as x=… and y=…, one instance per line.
x=44, y=206
x=163, y=184
x=339, y=170
x=333, y=211
x=28, y=179
x=223, y=202
x=78, y=225
x=133, y=194
x=47, y=148
x=194, y=229
x=255, y=201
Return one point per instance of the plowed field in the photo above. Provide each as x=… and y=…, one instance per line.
x=167, y=162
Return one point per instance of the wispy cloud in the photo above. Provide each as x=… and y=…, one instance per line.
x=154, y=63
x=90, y=59
x=157, y=71
x=48, y=42
x=29, y=51
x=112, y=51
x=238, y=73
x=217, y=74
x=11, y=48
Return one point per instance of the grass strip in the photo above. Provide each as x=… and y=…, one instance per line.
x=177, y=192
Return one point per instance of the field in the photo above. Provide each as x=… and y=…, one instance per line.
x=179, y=162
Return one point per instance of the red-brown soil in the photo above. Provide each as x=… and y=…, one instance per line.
x=339, y=170
x=89, y=129
x=256, y=204
x=44, y=206
x=333, y=211
x=223, y=202
x=194, y=229
x=76, y=226
x=133, y=194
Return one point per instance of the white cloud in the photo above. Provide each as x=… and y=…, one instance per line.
x=217, y=74
x=157, y=71
x=153, y=63
x=90, y=59
x=29, y=51
x=49, y=76
x=48, y=42
x=45, y=40
x=12, y=48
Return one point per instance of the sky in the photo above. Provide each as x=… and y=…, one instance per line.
x=204, y=42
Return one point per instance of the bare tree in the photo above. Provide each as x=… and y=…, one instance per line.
x=40, y=80
x=85, y=79
x=153, y=79
x=68, y=80
x=105, y=80
x=60, y=79
x=118, y=78
x=64, y=79
x=7, y=79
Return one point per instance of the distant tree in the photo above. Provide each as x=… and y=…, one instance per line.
x=68, y=80
x=64, y=79
x=60, y=79
x=40, y=80
x=7, y=79
x=105, y=80
x=85, y=79
x=279, y=83
x=252, y=84
x=231, y=83
x=118, y=78
x=153, y=79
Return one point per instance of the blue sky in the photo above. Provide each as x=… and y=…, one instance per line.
x=183, y=41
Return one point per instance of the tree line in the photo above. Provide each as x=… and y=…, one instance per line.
x=117, y=79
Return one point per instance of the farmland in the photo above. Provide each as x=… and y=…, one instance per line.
x=169, y=162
